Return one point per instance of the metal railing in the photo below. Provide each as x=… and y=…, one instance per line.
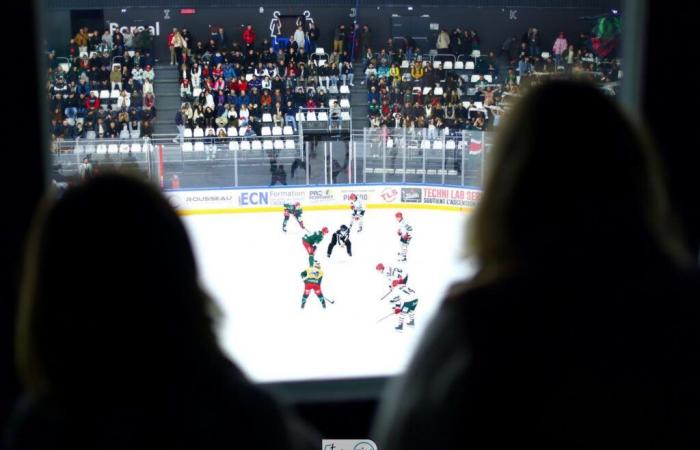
x=370, y=155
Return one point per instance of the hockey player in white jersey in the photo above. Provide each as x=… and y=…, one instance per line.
x=404, y=302
x=396, y=275
x=405, y=235
x=358, y=211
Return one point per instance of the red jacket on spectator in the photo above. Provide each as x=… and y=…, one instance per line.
x=217, y=72
x=249, y=35
x=170, y=39
x=92, y=103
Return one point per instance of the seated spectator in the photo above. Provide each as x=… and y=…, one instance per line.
x=87, y=358
x=532, y=344
x=417, y=71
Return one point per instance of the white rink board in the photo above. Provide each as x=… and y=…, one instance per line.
x=252, y=270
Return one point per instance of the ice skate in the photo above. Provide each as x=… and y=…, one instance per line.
x=411, y=323
x=399, y=327
x=303, y=303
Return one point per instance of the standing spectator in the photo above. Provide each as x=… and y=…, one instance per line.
x=365, y=40
x=339, y=39
x=249, y=36
x=534, y=42
x=334, y=115
x=179, y=45
x=82, y=40
x=443, y=41
x=314, y=34
x=336, y=169
x=115, y=77
x=171, y=46
x=560, y=45
x=180, y=124
x=300, y=37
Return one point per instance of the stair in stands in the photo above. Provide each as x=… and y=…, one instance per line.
x=359, y=100
x=167, y=93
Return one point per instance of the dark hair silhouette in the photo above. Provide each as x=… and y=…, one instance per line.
x=552, y=190
x=115, y=336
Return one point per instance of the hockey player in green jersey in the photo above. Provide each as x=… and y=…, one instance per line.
x=292, y=209
x=310, y=242
x=312, y=282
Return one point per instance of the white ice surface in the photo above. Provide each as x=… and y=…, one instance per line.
x=252, y=269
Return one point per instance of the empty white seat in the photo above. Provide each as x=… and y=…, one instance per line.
x=233, y=145
x=311, y=116
x=476, y=53
x=279, y=144
x=135, y=147
x=231, y=132
x=466, y=104
x=300, y=117
x=404, y=64
x=369, y=169
x=104, y=94
x=426, y=90
x=241, y=131
x=459, y=65
x=488, y=78
x=420, y=171
x=469, y=65
x=345, y=115
x=124, y=148
x=410, y=171
x=112, y=149
x=546, y=55
x=450, y=145
x=289, y=144
x=344, y=103
x=198, y=132
x=101, y=149
x=267, y=145
x=256, y=145
x=287, y=130
x=245, y=145
x=430, y=172
x=321, y=62
x=333, y=89
x=451, y=172
x=344, y=89
x=187, y=147
x=248, y=76
x=277, y=131
x=199, y=146
x=436, y=64
x=478, y=105
x=196, y=91
x=390, y=143
x=265, y=131
x=425, y=144
x=188, y=133
x=323, y=116
x=438, y=90
x=267, y=117
x=437, y=145
x=448, y=65
x=114, y=95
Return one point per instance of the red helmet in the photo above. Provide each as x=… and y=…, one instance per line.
x=353, y=197
x=324, y=230
x=380, y=266
x=398, y=215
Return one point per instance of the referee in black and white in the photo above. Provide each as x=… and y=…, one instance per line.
x=342, y=238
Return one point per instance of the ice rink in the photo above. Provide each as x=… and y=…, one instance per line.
x=252, y=270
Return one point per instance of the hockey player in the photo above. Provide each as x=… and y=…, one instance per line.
x=292, y=210
x=342, y=238
x=405, y=236
x=358, y=211
x=312, y=282
x=310, y=242
x=395, y=275
x=404, y=303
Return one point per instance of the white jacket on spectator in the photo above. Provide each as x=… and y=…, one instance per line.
x=137, y=73
x=443, y=40
x=147, y=87
x=185, y=90
x=124, y=101
x=299, y=38
x=210, y=102
x=149, y=74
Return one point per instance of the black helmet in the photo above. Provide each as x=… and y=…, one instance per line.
x=343, y=227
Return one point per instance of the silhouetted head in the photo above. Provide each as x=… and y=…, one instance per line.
x=555, y=194
x=111, y=303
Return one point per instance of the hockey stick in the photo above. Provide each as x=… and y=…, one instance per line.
x=387, y=316
x=329, y=300
x=384, y=296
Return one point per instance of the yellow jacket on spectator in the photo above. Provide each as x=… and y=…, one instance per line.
x=417, y=71
x=395, y=72
x=81, y=39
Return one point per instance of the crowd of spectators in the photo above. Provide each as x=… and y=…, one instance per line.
x=459, y=86
x=102, y=87
x=249, y=81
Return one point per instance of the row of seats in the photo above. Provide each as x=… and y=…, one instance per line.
x=198, y=132
x=447, y=65
x=388, y=171
x=107, y=95
x=253, y=144
x=427, y=144
x=112, y=149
